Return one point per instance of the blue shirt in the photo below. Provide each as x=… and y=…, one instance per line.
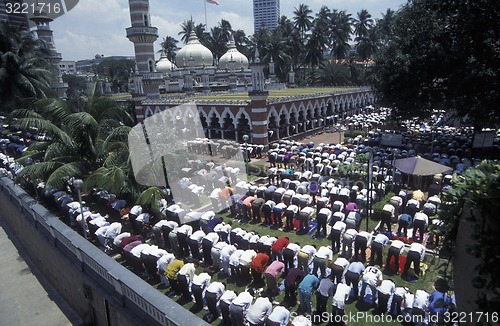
x=212, y=223
x=309, y=283
x=356, y=267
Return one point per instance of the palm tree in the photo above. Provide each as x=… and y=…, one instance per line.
x=217, y=42
x=332, y=74
x=368, y=44
x=226, y=29
x=169, y=47
x=303, y=19
x=23, y=71
x=340, y=32
x=384, y=25
x=293, y=38
x=187, y=26
x=315, y=46
x=81, y=139
x=277, y=48
x=363, y=23
x=241, y=40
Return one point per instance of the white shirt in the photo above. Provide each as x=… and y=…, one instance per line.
x=413, y=202
x=398, y=244
x=418, y=247
x=301, y=321
x=226, y=252
x=234, y=259
x=164, y=261
x=188, y=270
x=400, y=291
x=421, y=217
x=367, y=236
x=120, y=237
x=339, y=225
x=293, y=208
x=342, y=262
x=113, y=230
x=294, y=247
x=247, y=257
x=389, y=208
x=307, y=210
x=258, y=312
x=280, y=315
x=198, y=236
x=137, y=250
x=212, y=237
x=144, y=218
x=421, y=300
x=308, y=249
x=244, y=299
x=372, y=275
x=349, y=235
x=228, y=296
x=387, y=287
x=217, y=288
x=185, y=229
x=339, y=215
x=202, y=279
x=341, y=295
x=136, y=210
x=325, y=253
x=207, y=216
x=162, y=223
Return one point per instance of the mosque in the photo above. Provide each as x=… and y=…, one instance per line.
x=256, y=109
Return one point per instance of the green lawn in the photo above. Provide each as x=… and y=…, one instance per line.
x=283, y=93
x=238, y=285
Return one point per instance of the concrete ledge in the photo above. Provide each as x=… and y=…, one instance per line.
x=98, y=288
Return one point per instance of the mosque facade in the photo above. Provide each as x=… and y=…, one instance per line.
x=196, y=73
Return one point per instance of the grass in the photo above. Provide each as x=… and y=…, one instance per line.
x=425, y=282
x=274, y=94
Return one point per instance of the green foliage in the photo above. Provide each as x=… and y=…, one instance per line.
x=477, y=190
x=354, y=133
x=442, y=54
x=77, y=85
x=378, y=207
x=117, y=72
x=23, y=70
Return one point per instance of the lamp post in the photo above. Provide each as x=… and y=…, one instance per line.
x=78, y=183
x=370, y=177
x=393, y=167
x=245, y=139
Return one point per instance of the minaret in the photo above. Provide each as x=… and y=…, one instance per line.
x=258, y=96
x=143, y=35
x=44, y=33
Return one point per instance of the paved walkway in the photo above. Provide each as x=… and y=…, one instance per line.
x=26, y=298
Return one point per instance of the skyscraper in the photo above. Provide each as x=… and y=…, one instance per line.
x=266, y=13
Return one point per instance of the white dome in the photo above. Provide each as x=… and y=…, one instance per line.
x=233, y=59
x=194, y=54
x=164, y=65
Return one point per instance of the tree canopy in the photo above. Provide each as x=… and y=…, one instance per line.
x=442, y=55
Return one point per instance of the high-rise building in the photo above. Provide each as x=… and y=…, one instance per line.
x=7, y=13
x=266, y=13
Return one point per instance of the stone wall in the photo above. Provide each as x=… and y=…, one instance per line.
x=100, y=290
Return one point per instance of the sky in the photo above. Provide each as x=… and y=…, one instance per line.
x=98, y=26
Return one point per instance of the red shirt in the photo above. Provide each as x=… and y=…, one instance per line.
x=280, y=244
x=259, y=263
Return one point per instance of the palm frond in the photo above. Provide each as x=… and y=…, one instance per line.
x=57, y=179
x=48, y=127
x=150, y=198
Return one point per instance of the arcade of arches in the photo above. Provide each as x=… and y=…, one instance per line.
x=286, y=117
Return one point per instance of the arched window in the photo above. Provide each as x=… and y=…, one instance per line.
x=146, y=20
x=151, y=66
